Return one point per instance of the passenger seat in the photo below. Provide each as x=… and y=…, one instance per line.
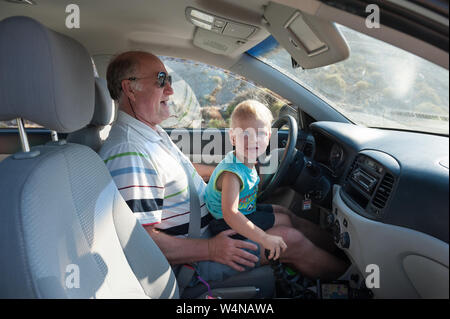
x=65, y=230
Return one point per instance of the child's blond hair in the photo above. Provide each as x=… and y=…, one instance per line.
x=251, y=109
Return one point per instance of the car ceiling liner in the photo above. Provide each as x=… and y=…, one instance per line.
x=312, y=42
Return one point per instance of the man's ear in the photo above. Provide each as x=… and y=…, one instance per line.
x=127, y=89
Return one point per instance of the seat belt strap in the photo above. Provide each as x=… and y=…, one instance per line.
x=185, y=274
x=194, y=202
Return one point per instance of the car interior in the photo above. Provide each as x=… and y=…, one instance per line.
x=359, y=94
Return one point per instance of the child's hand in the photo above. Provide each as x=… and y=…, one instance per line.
x=275, y=244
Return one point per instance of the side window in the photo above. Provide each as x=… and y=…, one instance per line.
x=13, y=124
x=205, y=96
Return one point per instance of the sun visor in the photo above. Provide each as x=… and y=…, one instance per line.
x=312, y=42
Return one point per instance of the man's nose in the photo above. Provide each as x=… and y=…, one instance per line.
x=168, y=90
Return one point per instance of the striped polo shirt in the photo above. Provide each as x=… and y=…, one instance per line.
x=146, y=166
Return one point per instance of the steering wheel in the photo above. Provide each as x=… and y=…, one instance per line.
x=270, y=181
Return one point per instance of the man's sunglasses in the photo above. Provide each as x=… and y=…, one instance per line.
x=162, y=77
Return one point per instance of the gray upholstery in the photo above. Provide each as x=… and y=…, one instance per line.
x=49, y=76
x=64, y=209
x=61, y=214
x=89, y=136
x=104, y=115
x=104, y=112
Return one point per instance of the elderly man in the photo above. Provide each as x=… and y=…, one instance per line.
x=145, y=165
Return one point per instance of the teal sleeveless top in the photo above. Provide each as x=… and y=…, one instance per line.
x=249, y=189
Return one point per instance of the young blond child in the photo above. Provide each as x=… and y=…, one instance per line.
x=231, y=194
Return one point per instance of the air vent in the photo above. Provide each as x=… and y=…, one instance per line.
x=351, y=169
x=383, y=191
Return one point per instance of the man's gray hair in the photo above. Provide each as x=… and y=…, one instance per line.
x=120, y=68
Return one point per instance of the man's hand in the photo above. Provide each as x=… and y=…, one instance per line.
x=230, y=252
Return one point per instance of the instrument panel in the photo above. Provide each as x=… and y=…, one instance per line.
x=336, y=157
x=329, y=154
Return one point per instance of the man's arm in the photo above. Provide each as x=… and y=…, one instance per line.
x=221, y=249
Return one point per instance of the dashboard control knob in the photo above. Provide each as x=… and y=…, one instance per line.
x=330, y=220
x=336, y=232
x=345, y=240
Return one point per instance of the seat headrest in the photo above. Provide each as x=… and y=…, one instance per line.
x=104, y=105
x=45, y=77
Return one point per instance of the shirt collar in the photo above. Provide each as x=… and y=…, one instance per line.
x=232, y=158
x=141, y=128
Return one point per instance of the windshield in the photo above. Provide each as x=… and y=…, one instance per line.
x=379, y=85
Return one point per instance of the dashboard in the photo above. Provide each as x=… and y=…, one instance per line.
x=390, y=204
x=330, y=155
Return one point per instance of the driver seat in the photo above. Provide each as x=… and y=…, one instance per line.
x=96, y=132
